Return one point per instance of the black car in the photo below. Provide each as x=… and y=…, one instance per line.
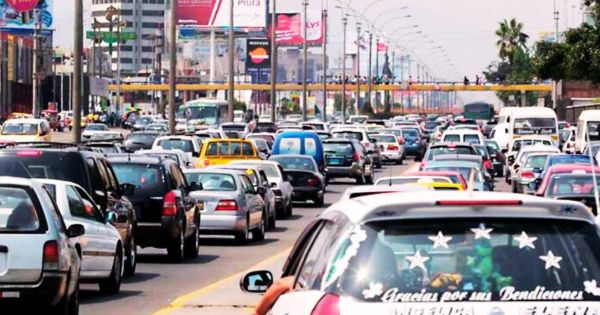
x=167, y=216
x=93, y=172
x=348, y=158
x=139, y=140
x=308, y=183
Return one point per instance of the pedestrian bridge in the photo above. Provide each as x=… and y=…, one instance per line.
x=337, y=87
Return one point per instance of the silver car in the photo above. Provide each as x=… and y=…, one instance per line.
x=39, y=265
x=229, y=203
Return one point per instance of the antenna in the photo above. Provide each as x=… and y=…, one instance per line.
x=590, y=151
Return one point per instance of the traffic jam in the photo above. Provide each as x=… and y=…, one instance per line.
x=493, y=213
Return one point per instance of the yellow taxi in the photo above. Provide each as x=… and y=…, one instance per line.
x=223, y=151
x=439, y=185
x=26, y=130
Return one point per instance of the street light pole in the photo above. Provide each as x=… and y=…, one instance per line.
x=304, y=63
x=345, y=25
x=231, y=88
x=324, y=113
x=76, y=91
x=357, y=68
x=172, y=64
x=36, y=65
x=273, y=95
x=370, y=71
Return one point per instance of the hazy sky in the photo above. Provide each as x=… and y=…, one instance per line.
x=464, y=28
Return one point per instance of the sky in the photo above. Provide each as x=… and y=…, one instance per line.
x=464, y=29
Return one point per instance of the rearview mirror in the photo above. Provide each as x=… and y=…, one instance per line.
x=256, y=281
x=75, y=230
x=273, y=185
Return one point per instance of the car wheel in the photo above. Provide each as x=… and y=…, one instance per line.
x=176, y=250
x=242, y=237
x=258, y=234
x=289, y=210
x=361, y=179
x=192, y=243
x=271, y=221
x=112, y=285
x=378, y=165
x=369, y=179
x=280, y=213
x=73, y=307
x=400, y=161
x=319, y=201
x=131, y=259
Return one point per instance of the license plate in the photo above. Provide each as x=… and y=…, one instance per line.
x=10, y=295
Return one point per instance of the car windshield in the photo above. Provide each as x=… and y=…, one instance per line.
x=464, y=260
x=535, y=161
x=17, y=211
x=25, y=129
x=569, y=159
x=338, y=148
x=184, y=145
x=471, y=139
x=410, y=133
x=295, y=163
x=569, y=185
x=212, y=181
x=148, y=179
x=348, y=135
x=96, y=127
x=463, y=170
x=450, y=150
x=140, y=138
x=385, y=139
x=452, y=138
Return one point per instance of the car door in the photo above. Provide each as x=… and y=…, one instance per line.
x=286, y=187
x=254, y=202
x=187, y=202
x=270, y=196
x=91, y=242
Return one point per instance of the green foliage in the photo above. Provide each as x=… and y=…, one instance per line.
x=510, y=39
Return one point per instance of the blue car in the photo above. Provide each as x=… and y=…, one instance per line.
x=300, y=142
x=560, y=159
x=414, y=143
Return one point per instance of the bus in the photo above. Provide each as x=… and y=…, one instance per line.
x=479, y=111
x=204, y=112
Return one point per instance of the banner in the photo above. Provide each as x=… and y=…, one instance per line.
x=381, y=46
x=20, y=14
x=289, y=32
x=352, y=40
x=259, y=54
x=215, y=13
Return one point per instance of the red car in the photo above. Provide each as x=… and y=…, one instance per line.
x=563, y=169
x=455, y=177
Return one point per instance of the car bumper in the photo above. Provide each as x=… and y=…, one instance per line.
x=391, y=156
x=222, y=224
x=413, y=149
x=157, y=235
x=343, y=171
x=49, y=291
x=306, y=193
x=280, y=203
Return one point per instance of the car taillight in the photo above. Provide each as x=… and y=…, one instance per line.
x=355, y=157
x=312, y=181
x=51, y=253
x=227, y=205
x=393, y=147
x=169, y=204
x=29, y=153
x=479, y=203
x=527, y=174
x=206, y=162
x=329, y=304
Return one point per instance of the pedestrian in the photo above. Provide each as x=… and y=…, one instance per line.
x=466, y=81
x=477, y=80
x=253, y=124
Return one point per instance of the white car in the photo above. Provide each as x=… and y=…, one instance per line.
x=368, y=190
x=391, y=150
x=280, y=184
x=101, y=246
x=191, y=145
x=463, y=135
x=177, y=155
x=358, y=134
x=91, y=129
x=440, y=252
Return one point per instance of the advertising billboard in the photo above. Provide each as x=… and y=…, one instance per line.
x=289, y=32
x=215, y=13
x=259, y=54
x=21, y=15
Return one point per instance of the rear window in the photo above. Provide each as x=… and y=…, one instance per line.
x=485, y=259
x=52, y=165
x=20, y=129
x=410, y=180
x=229, y=148
x=349, y=135
x=240, y=128
x=17, y=211
x=147, y=139
x=452, y=138
x=290, y=146
x=212, y=181
x=536, y=161
x=385, y=139
x=450, y=150
x=338, y=148
x=148, y=179
x=473, y=139
x=295, y=163
x=181, y=144
x=410, y=133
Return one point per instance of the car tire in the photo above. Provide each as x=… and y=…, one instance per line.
x=400, y=161
x=361, y=179
x=271, y=221
x=112, y=285
x=192, y=243
x=176, y=250
x=242, y=237
x=280, y=213
x=258, y=234
x=369, y=179
x=378, y=165
x=289, y=211
x=131, y=259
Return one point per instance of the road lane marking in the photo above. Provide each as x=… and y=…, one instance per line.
x=181, y=301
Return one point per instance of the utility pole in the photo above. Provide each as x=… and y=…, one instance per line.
x=345, y=24
x=172, y=64
x=37, y=57
x=304, y=63
x=377, y=70
x=555, y=83
x=231, y=88
x=370, y=71
x=357, y=68
x=76, y=90
x=274, y=62
x=324, y=113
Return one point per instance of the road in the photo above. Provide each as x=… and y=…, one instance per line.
x=208, y=284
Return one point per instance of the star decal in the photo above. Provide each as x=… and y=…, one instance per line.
x=592, y=288
x=374, y=290
x=525, y=241
x=482, y=232
x=440, y=240
x=417, y=261
x=551, y=260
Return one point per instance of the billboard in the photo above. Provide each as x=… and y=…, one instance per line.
x=18, y=14
x=289, y=32
x=259, y=54
x=215, y=13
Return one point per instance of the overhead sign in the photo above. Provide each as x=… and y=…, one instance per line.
x=215, y=13
x=112, y=37
x=20, y=13
x=289, y=30
x=259, y=53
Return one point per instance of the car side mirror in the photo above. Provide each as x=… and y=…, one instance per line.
x=506, y=130
x=75, y=230
x=261, y=190
x=111, y=217
x=194, y=186
x=273, y=185
x=256, y=281
x=128, y=189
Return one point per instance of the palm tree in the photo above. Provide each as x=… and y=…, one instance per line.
x=510, y=38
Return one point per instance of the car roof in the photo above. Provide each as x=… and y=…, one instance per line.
x=25, y=120
x=214, y=140
x=8, y=180
x=452, y=163
x=426, y=205
x=212, y=170
x=137, y=159
x=540, y=148
x=253, y=162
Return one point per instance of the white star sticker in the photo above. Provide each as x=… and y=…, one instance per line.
x=417, y=261
x=551, y=260
x=440, y=240
x=482, y=232
x=525, y=241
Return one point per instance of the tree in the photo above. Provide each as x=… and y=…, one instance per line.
x=510, y=38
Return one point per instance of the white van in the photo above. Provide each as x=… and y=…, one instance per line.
x=533, y=121
x=238, y=116
x=500, y=135
x=505, y=113
x=589, y=121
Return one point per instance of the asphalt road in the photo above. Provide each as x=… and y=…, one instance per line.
x=158, y=282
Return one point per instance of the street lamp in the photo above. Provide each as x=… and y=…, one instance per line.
x=389, y=11
x=304, y=64
x=395, y=18
x=345, y=26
